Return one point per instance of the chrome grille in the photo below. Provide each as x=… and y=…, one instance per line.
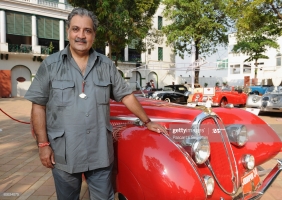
x=221, y=162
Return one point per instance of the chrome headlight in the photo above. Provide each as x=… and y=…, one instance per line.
x=200, y=148
x=209, y=181
x=275, y=99
x=237, y=134
x=248, y=161
x=255, y=99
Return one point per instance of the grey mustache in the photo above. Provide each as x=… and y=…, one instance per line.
x=80, y=40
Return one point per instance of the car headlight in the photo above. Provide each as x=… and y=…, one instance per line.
x=255, y=99
x=199, y=148
x=248, y=161
x=237, y=134
x=275, y=99
x=209, y=181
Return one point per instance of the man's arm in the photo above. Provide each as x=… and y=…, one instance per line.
x=135, y=107
x=38, y=116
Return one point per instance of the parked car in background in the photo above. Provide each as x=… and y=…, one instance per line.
x=258, y=89
x=222, y=97
x=272, y=100
x=255, y=100
x=208, y=154
x=172, y=93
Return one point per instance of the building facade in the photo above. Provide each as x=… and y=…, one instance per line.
x=31, y=30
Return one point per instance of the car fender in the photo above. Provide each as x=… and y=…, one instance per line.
x=157, y=167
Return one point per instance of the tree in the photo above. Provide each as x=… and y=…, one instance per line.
x=202, y=22
x=120, y=22
x=254, y=46
x=250, y=16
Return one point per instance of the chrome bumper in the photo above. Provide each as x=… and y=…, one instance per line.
x=264, y=185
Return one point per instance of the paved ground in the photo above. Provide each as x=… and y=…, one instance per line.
x=23, y=177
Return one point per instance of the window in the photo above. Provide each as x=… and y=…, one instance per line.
x=278, y=59
x=149, y=51
x=48, y=28
x=18, y=24
x=160, y=53
x=160, y=22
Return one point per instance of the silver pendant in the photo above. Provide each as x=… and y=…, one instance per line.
x=82, y=95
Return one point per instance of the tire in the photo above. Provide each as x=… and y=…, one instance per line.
x=223, y=102
x=167, y=100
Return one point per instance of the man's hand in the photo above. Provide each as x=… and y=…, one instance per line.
x=46, y=155
x=157, y=128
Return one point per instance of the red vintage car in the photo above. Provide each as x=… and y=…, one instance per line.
x=209, y=153
x=222, y=97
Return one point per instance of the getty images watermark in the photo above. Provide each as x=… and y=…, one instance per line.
x=10, y=194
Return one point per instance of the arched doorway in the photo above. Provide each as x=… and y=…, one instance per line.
x=153, y=76
x=21, y=80
x=136, y=77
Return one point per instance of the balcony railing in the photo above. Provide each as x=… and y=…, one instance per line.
x=52, y=4
x=20, y=48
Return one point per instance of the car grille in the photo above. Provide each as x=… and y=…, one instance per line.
x=221, y=162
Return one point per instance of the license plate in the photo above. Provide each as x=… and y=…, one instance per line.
x=250, y=181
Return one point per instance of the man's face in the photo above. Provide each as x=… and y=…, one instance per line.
x=81, y=34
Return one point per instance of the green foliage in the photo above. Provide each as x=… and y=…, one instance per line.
x=263, y=15
x=254, y=46
x=202, y=22
x=51, y=47
x=120, y=21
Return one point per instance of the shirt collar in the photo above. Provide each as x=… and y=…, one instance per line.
x=66, y=53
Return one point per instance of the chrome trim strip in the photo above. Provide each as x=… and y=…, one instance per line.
x=133, y=119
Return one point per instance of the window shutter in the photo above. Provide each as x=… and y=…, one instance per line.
x=48, y=28
x=18, y=23
x=160, y=53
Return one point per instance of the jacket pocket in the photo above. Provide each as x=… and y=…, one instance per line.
x=63, y=92
x=103, y=90
x=58, y=144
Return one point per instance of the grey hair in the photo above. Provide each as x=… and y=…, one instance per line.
x=83, y=12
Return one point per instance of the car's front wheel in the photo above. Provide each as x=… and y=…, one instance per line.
x=167, y=100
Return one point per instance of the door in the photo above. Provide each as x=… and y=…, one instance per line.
x=21, y=80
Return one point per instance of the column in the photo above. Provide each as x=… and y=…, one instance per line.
x=126, y=53
x=2, y=26
x=62, y=35
x=34, y=38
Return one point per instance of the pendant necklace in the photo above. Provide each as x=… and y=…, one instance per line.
x=82, y=95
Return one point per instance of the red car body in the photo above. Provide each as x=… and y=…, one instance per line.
x=222, y=97
x=154, y=166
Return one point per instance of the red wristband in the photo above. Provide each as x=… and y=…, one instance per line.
x=43, y=144
x=146, y=122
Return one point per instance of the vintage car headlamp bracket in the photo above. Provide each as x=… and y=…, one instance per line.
x=200, y=147
x=237, y=134
x=248, y=161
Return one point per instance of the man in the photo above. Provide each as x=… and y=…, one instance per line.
x=70, y=111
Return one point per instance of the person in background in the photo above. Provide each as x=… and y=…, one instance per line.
x=152, y=84
x=70, y=97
